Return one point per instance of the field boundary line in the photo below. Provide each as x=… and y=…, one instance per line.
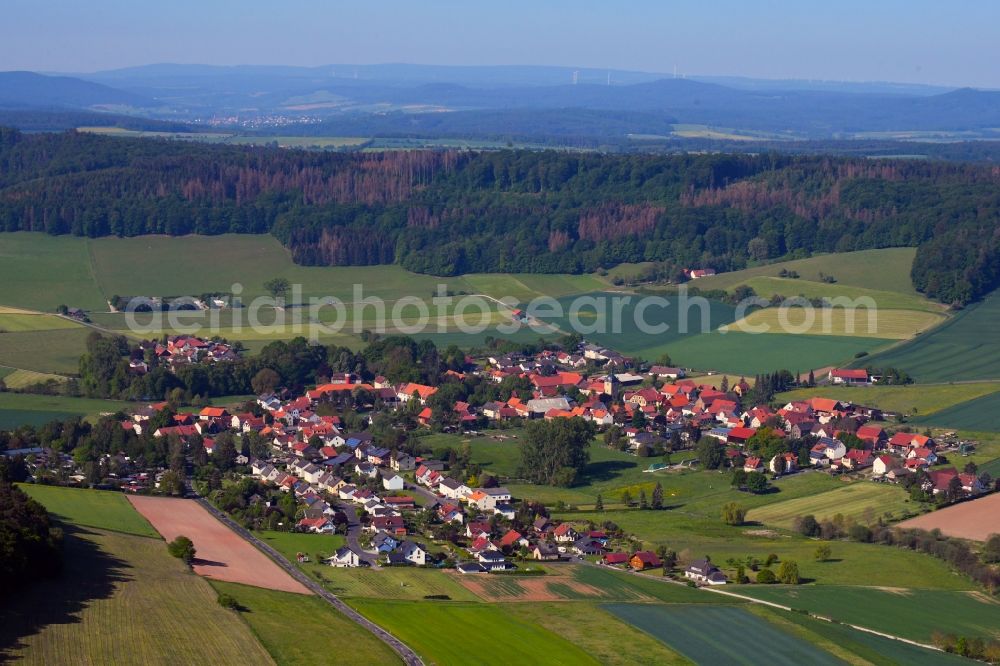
x=823, y=618
x=405, y=652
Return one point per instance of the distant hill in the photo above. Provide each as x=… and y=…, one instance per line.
x=30, y=90
x=519, y=101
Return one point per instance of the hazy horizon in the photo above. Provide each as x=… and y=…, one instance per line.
x=917, y=42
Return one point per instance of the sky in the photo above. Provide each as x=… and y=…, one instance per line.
x=914, y=41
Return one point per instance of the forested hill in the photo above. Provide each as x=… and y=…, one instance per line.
x=449, y=212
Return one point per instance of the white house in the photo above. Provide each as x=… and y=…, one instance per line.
x=392, y=481
x=345, y=557
x=495, y=496
x=414, y=552
x=449, y=488
x=703, y=571
x=884, y=464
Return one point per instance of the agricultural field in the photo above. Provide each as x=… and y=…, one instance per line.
x=975, y=520
x=123, y=599
x=912, y=400
x=961, y=349
x=55, y=351
x=41, y=272
x=45, y=271
x=23, y=321
x=222, y=554
x=280, y=621
x=568, y=582
x=975, y=414
x=716, y=635
x=611, y=641
x=693, y=337
x=16, y=379
x=621, y=586
x=886, y=269
x=22, y=408
x=850, y=644
x=899, y=611
x=308, y=142
x=863, y=501
x=102, y=509
x=766, y=287
x=460, y=633
x=747, y=354
x=694, y=131
x=870, y=323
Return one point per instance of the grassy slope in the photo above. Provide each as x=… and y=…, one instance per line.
x=919, y=399
x=887, y=270
x=123, y=600
x=299, y=630
x=92, y=508
x=460, y=633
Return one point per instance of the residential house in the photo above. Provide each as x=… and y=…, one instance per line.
x=784, y=463
x=564, y=533
x=402, y=462
x=884, y=464
x=414, y=553
x=492, y=560
x=545, y=551
x=703, y=571
x=644, y=559
x=392, y=481
x=615, y=559
x=470, y=568
x=845, y=376
x=344, y=557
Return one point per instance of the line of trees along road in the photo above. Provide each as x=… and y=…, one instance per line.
x=449, y=212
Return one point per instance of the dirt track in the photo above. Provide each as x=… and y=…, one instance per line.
x=221, y=553
x=976, y=519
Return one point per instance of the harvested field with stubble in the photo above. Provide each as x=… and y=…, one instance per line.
x=975, y=520
x=221, y=553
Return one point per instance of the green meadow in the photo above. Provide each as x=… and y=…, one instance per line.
x=93, y=508
x=462, y=633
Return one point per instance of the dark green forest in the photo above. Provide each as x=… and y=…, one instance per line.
x=30, y=546
x=452, y=212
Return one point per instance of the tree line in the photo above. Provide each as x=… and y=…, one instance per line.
x=450, y=212
x=30, y=545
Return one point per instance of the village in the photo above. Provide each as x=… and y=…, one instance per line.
x=391, y=504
